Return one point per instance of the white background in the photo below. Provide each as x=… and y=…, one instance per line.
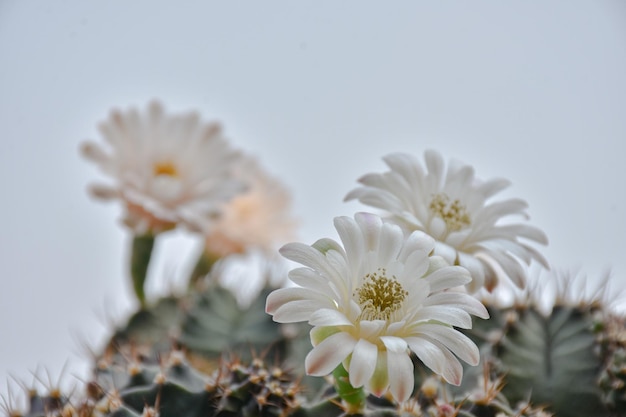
x=532, y=91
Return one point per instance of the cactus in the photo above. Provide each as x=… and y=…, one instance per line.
x=203, y=353
x=206, y=324
x=568, y=360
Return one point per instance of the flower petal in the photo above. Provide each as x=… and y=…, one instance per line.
x=371, y=328
x=307, y=256
x=362, y=362
x=329, y=317
x=379, y=382
x=399, y=365
x=459, y=300
x=438, y=359
x=461, y=345
x=325, y=357
x=448, y=277
x=448, y=314
x=290, y=305
x=394, y=344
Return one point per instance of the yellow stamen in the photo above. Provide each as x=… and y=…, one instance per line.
x=380, y=296
x=454, y=214
x=165, y=168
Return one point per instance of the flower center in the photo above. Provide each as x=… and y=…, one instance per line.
x=379, y=296
x=453, y=213
x=165, y=168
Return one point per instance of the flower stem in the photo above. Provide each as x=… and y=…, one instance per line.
x=139, y=262
x=354, y=398
x=203, y=266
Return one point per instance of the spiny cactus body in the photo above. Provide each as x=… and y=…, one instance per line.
x=567, y=360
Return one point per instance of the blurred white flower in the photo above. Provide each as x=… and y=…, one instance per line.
x=167, y=169
x=258, y=219
x=452, y=206
x=374, y=301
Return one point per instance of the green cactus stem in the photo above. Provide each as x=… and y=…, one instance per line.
x=139, y=261
x=354, y=398
x=203, y=266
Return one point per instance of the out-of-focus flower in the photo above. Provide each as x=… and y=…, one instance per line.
x=257, y=219
x=241, y=246
x=374, y=300
x=452, y=206
x=167, y=169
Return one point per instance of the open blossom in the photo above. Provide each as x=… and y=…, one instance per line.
x=257, y=219
x=252, y=226
x=167, y=169
x=453, y=206
x=373, y=301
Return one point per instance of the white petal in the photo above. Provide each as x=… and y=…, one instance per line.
x=325, y=357
x=492, y=212
x=451, y=315
x=379, y=382
x=429, y=353
x=104, y=192
x=461, y=345
x=310, y=279
x=418, y=289
x=493, y=186
x=325, y=245
x=416, y=265
x=282, y=296
x=295, y=311
x=370, y=329
x=445, y=251
x=290, y=305
x=448, y=277
x=351, y=238
x=362, y=362
x=437, y=358
x=437, y=228
x=329, y=317
x=307, y=256
x=510, y=231
x=375, y=197
x=537, y=256
x=510, y=266
x=396, y=328
x=391, y=241
x=400, y=368
x=394, y=344
x=417, y=241
x=435, y=166
x=408, y=167
x=314, y=259
x=459, y=300
x=370, y=225
x=475, y=267
x=319, y=334
x=94, y=152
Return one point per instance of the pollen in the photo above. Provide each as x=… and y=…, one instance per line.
x=165, y=168
x=453, y=213
x=380, y=296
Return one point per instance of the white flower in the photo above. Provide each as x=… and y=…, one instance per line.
x=375, y=300
x=168, y=169
x=258, y=218
x=246, y=236
x=453, y=207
